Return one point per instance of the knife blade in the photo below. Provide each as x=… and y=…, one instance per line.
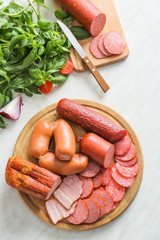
x=84, y=56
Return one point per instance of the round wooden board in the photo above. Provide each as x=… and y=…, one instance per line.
x=21, y=149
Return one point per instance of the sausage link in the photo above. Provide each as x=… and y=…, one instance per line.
x=90, y=120
x=65, y=143
x=40, y=138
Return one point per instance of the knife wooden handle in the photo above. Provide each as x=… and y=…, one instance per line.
x=96, y=74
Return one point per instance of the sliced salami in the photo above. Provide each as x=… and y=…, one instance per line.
x=128, y=171
x=92, y=169
x=94, y=210
x=106, y=172
x=87, y=186
x=116, y=191
x=102, y=203
x=101, y=46
x=109, y=201
x=123, y=181
x=128, y=163
x=98, y=180
x=94, y=48
x=114, y=43
x=129, y=155
x=80, y=214
x=114, y=205
x=122, y=146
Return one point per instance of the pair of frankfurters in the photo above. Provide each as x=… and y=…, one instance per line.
x=64, y=161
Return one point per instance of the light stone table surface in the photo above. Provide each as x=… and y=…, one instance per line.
x=135, y=94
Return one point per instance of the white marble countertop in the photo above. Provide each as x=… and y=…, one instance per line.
x=135, y=95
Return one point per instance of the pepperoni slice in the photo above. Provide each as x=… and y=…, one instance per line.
x=116, y=191
x=106, y=176
x=123, y=181
x=101, y=46
x=128, y=171
x=102, y=203
x=98, y=180
x=128, y=163
x=94, y=48
x=94, y=210
x=129, y=155
x=109, y=201
x=122, y=146
x=80, y=214
x=92, y=169
x=87, y=187
x=114, y=43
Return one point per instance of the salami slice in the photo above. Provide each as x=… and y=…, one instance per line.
x=101, y=46
x=98, y=180
x=94, y=210
x=123, y=181
x=116, y=191
x=94, y=48
x=114, y=43
x=87, y=187
x=128, y=171
x=109, y=201
x=80, y=214
x=128, y=163
x=114, y=205
x=106, y=176
x=122, y=146
x=129, y=155
x=102, y=203
x=92, y=169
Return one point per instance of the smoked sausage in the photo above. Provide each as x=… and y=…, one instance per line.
x=97, y=148
x=78, y=163
x=86, y=13
x=65, y=142
x=40, y=138
x=90, y=120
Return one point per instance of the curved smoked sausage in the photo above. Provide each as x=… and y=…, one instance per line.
x=90, y=120
x=86, y=13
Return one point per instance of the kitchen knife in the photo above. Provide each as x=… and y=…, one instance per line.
x=83, y=55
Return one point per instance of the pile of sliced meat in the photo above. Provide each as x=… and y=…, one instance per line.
x=108, y=44
x=86, y=197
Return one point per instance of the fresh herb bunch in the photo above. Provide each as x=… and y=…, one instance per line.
x=30, y=52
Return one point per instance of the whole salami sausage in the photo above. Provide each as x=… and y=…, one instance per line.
x=90, y=120
x=86, y=13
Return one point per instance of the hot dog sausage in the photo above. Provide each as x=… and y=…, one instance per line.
x=78, y=163
x=97, y=148
x=90, y=120
x=86, y=13
x=39, y=141
x=65, y=143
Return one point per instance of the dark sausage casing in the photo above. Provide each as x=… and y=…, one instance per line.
x=86, y=13
x=90, y=120
x=98, y=149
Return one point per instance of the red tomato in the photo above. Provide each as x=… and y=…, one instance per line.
x=46, y=88
x=67, y=68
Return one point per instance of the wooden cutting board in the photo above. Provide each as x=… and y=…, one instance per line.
x=112, y=24
x=21, y=149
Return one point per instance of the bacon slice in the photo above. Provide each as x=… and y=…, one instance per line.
x=56, y=211
x=69, y=190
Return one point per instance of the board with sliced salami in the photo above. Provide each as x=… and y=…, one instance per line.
x=89, y=198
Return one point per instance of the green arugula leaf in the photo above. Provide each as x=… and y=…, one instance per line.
x=80, y=32
x=2, y=123
x=60, y=14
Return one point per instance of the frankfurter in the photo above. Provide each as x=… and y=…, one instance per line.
x=40, y=138
x=86, y=13
x=78, y=163
x=65, y=142
x=90, y=120
x=97, y=148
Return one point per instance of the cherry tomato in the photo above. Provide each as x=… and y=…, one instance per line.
x=46, y=88
x=67, y=68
